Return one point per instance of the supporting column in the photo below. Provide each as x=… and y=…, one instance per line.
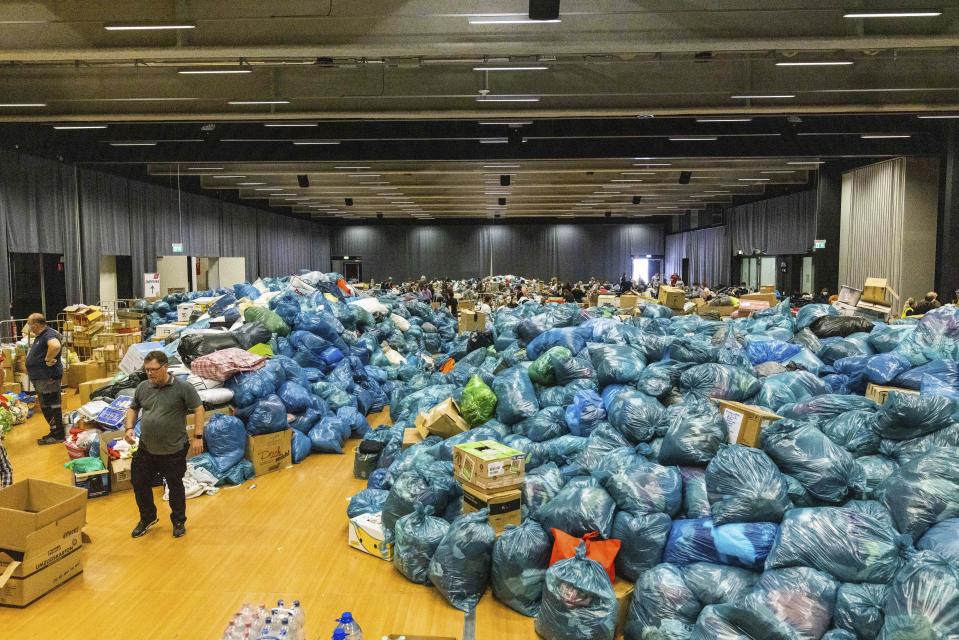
x=947, y=247
x=828, y=212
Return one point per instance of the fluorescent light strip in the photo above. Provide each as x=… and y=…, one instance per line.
x=513, y=21
x=807, y=162
x=894, y=14
x=303, y=143
x=352, y=168
x=290, y=124
x=885, y=136
x=71, y=127
x=133, y=144
x=204, y=168
x=950, y=116
x=270, y=189
x=494, y=141
x=694, y=139
x=14, y=105
x=510, y=68
x=214, y=71
x=514, y=123
x=248, y=102
x=782, y=96
x=226, y=177
x=484, y=99
x=501, y=166
x=364, y=175
x=779, y=171
x=373, y=183
x=626, y=180
x=148, y=26
x=249, y=184
x=823, y=63
x=705, y=120
x=653, y=164
x=754, y=179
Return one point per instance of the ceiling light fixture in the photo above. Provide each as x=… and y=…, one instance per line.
x=14, y=105
x=944, y=116
x=249, y=184
x=204, y=168
x=513, y=123
x=817, y=63
x=69, y=127
x=626, y=180
x=290, y=124
x=494, y=140
x=149, y=26
x=770, y=96
x=754, y=179
x=512, y=21
x=302, y=143
x=510, y=68
x=270, y=189
x=705, y=120
x=693, y=139
x=501, y=166
x=226, y=177
x=133, y=144
x=798, y=162
x=352, y=168
x=214, y=71
x=885, y=136
x=499, y=99
x=931, y=13
x=780, y=171
x=364, y=175
x=653, y=164
x=255, y=102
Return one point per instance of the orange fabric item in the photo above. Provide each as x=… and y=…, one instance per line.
x=602, y=551
x=448, y=366
x=341, y=283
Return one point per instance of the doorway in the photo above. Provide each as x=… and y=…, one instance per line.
x=38, y=284
x=350, y=267
x=646, y=268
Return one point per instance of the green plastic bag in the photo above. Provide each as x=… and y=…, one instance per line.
x=479, y=402
x=261, y=349
x=541, y=371
x=267, y=318
x=85, y=465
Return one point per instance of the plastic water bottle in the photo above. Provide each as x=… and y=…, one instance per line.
x=349, y=625
x=299, y=620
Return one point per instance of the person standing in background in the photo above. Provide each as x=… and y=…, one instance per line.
x=165, y=402
x=45, y=369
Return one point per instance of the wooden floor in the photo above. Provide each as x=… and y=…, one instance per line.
x=282, y=535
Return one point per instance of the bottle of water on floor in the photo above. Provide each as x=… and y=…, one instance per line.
x=349, y=625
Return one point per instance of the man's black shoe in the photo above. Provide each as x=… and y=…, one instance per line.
x=50, y=439
x=142, y=528
x=179, y=530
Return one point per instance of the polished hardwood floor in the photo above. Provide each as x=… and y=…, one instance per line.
x=282, y=535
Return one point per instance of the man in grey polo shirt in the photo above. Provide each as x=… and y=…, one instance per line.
x=165, y=402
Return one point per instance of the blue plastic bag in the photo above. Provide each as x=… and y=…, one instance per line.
x=267, y=415
x=225, y=440
x=249, y=387
x=942, y=538
x=760, y=351
x=578, y=509
x=646, y=487
x=578, y=600
x=520, y=559
x=366, y=501
x=923, y=492
x=327, y=435
x=663, y=606
x=923, y=600
x=744, y=545
x=516, y=397
x=812, y=312
x=573, y=338
x=295, y=397
x=415, y=539
x=616, y=364
x=745, y=485
x=859, y=609
x=886, y=367
x=541, y=485
x=854, y=431
x=801, y=597
x=720, y=381
x=694, y=432
x=906, y=415
x=642, y=540
x=585, y=413
x=790, y=387
x=300, y=447
x=635, y=415
x=461, y=566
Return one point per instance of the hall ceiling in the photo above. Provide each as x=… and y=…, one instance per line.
x=416, y=59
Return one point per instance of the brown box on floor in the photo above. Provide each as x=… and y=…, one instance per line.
x=470, y=321
x=628, y=301
x=40, y=538
x=489, y=465
x=88, y=388
x=672, y=297
x=410, y=437
x=269, y=452
x=769, y=298
x=505, y=505
x=120, y=470
x=443, y=420
x=745, y=422
x=84, y=372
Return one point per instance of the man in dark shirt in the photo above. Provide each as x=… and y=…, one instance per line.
x=165, y=402
x=45, y=369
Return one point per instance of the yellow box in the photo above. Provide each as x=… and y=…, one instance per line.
x=672, y=297
x=874, y=290
x=745, y=423
x=366, y=534
x=879, y=393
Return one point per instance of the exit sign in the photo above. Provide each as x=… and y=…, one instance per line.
x=177, y=247
x=820, y=244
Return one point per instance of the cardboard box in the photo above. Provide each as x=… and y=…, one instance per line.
x=29, y=506
x=443, y=420
x=768, y=298
x=410, y=437
x=466, y=305
x=879, y=393
x=488, y=464
x=164, y=330
x=366, y=534
x=183, y=311
x=88, y=388
x=81, y=372
x=227, y=410
x=607, y=299
x=46, y=546
x=874, y=312
x=269, y=452
x=96, y=483
x=120, y=470
x=628, y=301
x=20, y=592
x=745, y=422
x=12, y=387
x=470, y=321
x=703, y=307
x=767, y=288
x=505, y=505
x=672, y=297
x=748, y=307
x=624, y=595
x=874, y=290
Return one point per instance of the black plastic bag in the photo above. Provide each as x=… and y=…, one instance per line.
x=520, y=559
x=195, y=345
x=849, y=543
x=460, y=567
x=718, y=583
x=251, y=333
x=642, y=540
x=825, y=469
x=416, y=537
x=859, y=609
x=578, y=601
x=801, y=597
x=694, y=432
x=923, y=491
x=840, y=326
x=745, y=485
x=661, y=604
x=923, y=601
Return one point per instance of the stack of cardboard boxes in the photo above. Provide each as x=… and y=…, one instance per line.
x=470, y=321
x=443, y=420
x=491, y=475
x=40, y=540
x=9, y=379
x=672, y=297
